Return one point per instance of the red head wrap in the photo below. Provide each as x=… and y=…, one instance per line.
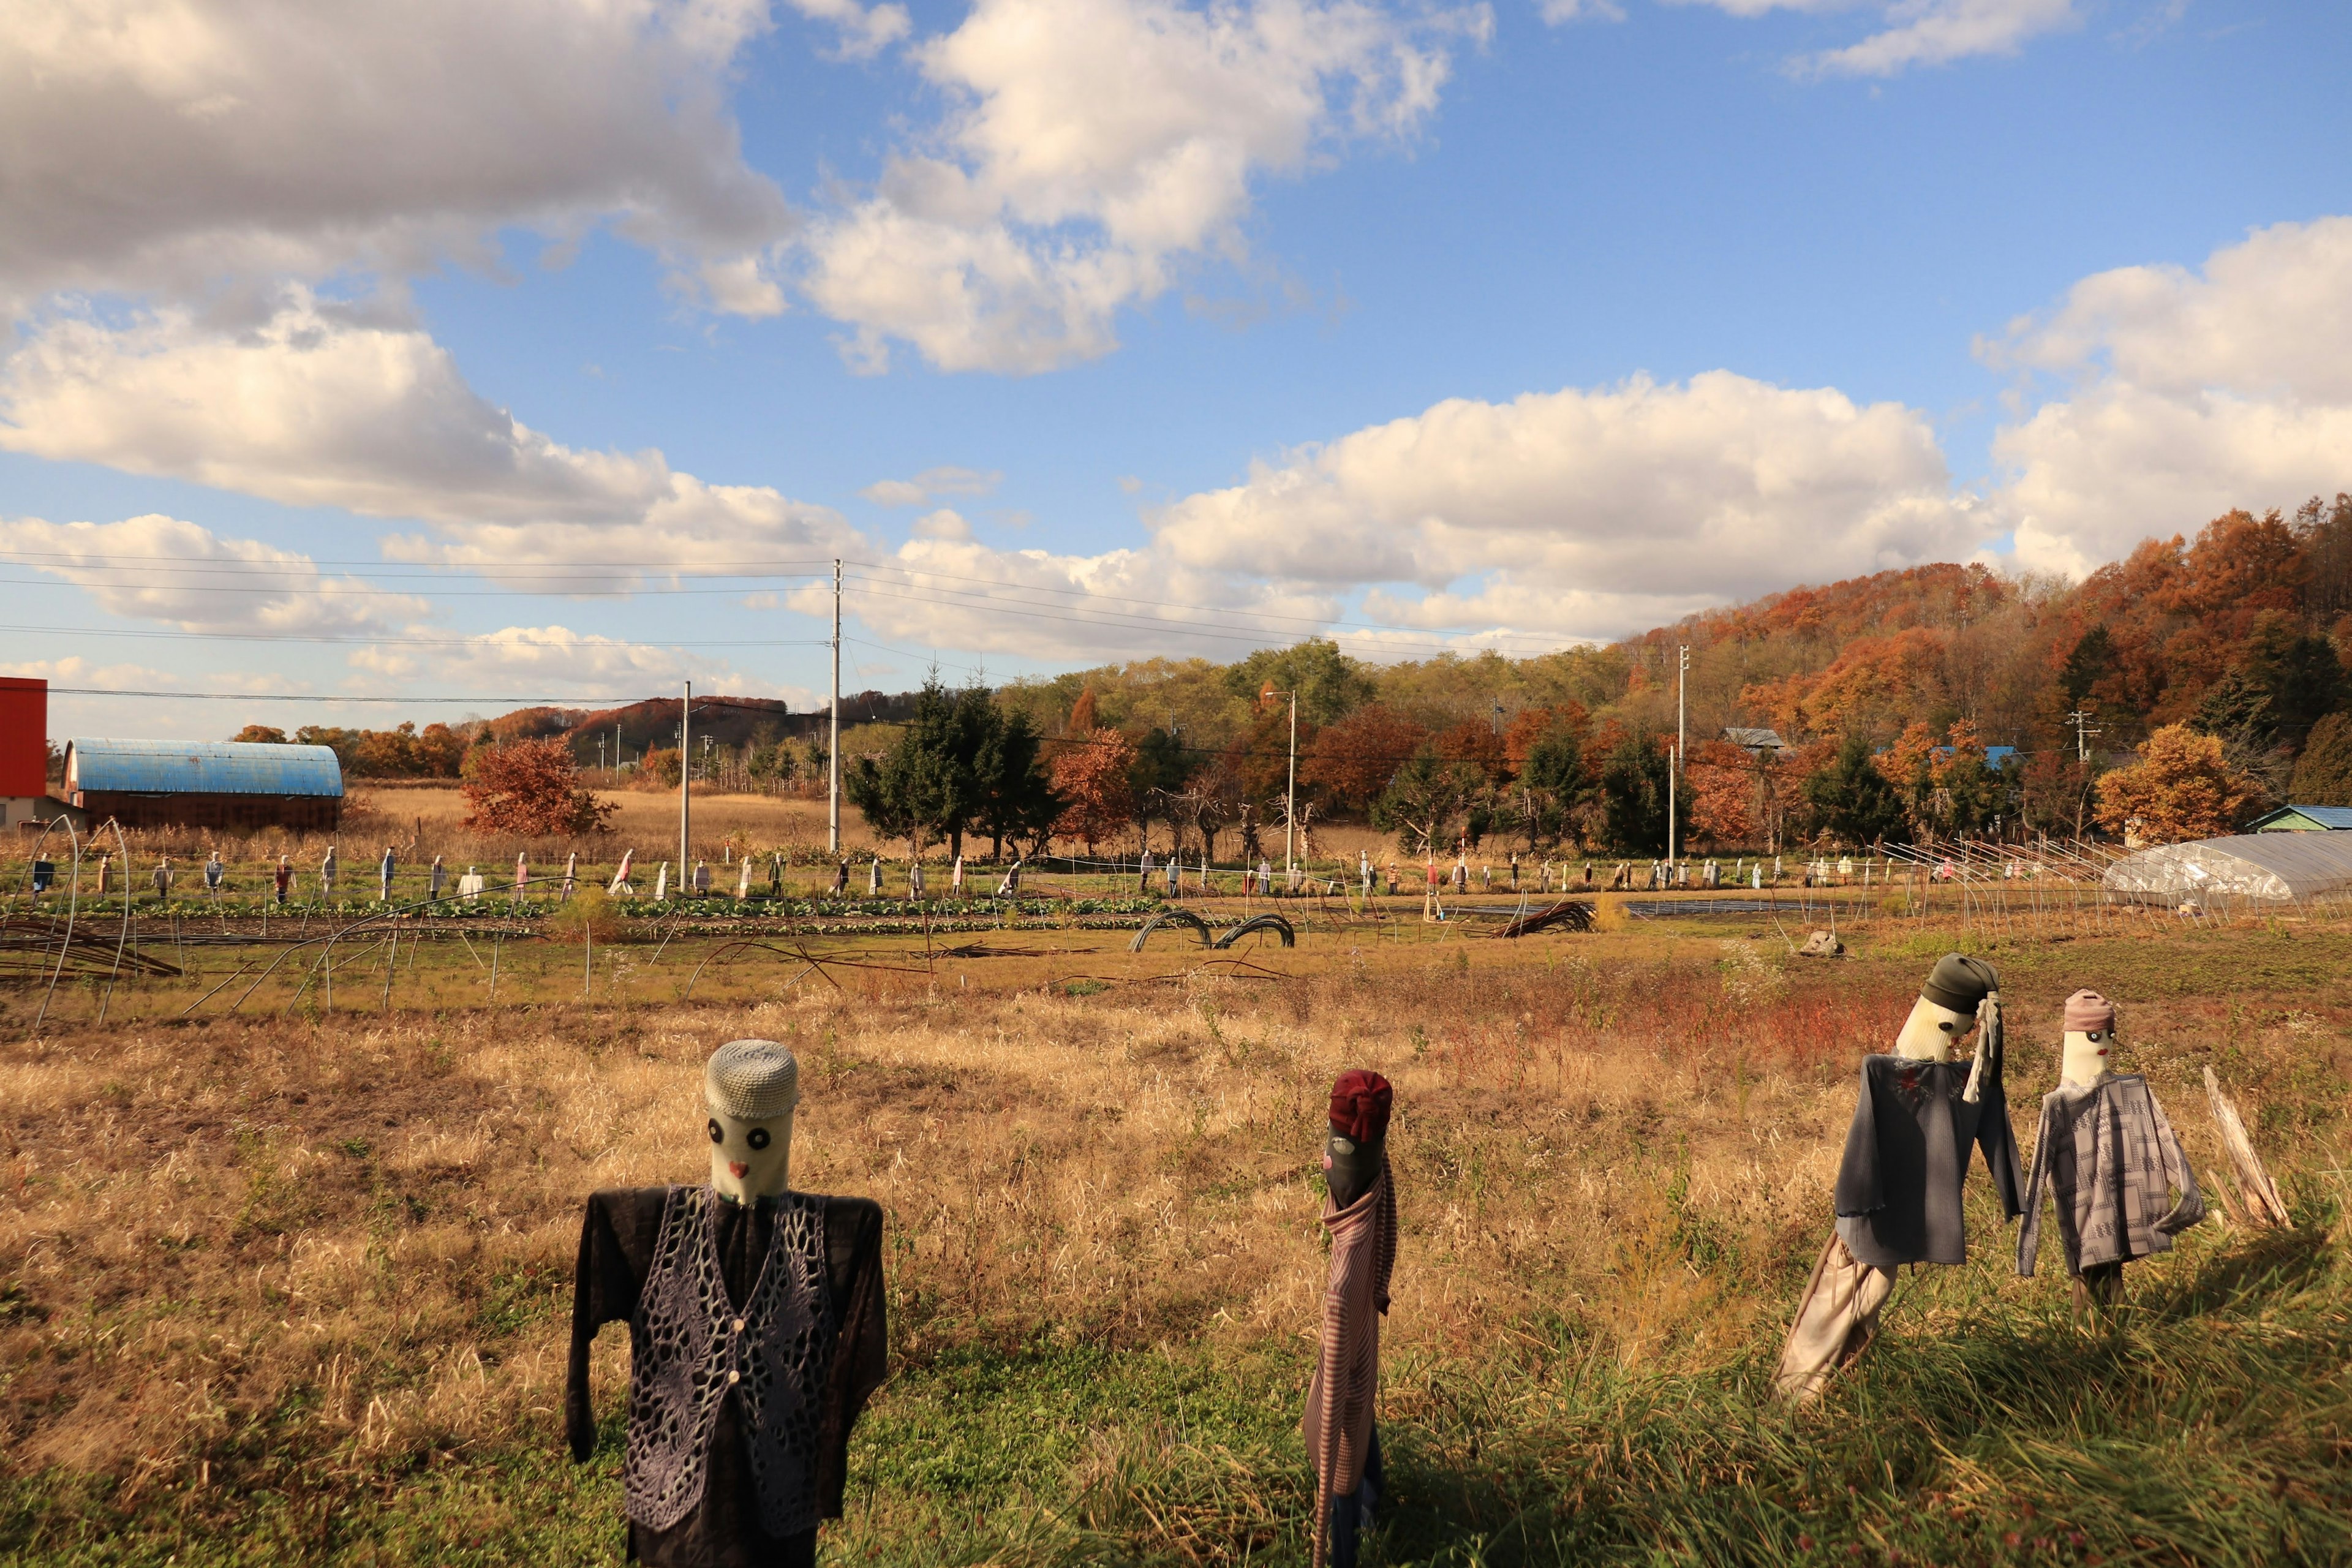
x=1360, y=1106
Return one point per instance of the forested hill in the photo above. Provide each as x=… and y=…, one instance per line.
x=2249, y=624
x=2243, y=632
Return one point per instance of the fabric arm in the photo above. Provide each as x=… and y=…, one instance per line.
x=2029, y=1235
x=861, y=1358
x=2190, y=1209
x=1859, y=1190
x=1998, y=1141
x=617, y=1240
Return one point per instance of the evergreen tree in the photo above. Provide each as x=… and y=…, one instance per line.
x=1851, y=797
x=1634, y=785
x=1553, y=783
x=1016, y=799
x=2322, y=776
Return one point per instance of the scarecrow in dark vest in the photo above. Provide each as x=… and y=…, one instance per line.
x=756, y=1334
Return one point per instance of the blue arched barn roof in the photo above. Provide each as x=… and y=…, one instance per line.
x=201, y=767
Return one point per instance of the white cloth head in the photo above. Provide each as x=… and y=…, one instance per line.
x=752, y=1080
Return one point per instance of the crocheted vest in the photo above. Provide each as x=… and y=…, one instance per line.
x=691, y=1349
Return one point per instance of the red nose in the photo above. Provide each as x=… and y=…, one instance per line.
x=737, y=1169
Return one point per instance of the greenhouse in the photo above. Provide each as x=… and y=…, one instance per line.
x=2245, y=868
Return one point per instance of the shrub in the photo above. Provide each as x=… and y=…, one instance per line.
x=531, y=788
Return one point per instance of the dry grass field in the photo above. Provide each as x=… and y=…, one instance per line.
x=295, y=1289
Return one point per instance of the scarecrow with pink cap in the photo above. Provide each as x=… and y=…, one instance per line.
x=2107, y=1160
x=1360, y=1211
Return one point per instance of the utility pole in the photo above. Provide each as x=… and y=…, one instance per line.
x=1290, y=795
x=832, y=750
x=2083, y=730
x=685, y=776
x=1682, y=744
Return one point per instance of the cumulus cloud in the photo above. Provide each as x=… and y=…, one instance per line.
x=173, y=144
x=1047, y=201
x=1585, y=511
x=2183, y=394
x=164, y=569
x=950, y=593
x=321, y=405
x=944, y=523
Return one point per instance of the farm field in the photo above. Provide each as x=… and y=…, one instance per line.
x=291, y=1283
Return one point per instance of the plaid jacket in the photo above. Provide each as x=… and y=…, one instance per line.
x=2110, y=1163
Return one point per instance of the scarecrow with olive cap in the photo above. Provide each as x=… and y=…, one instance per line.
x=1921, y=1110
x=756, y=1334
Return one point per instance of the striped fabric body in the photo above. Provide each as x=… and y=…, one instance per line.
x=2109, y=1163
x=1339, y=1400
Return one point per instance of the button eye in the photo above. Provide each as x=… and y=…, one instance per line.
x=718, y=1134
x=2095, y=1037
x=757, y=1137
x=1946, y=1026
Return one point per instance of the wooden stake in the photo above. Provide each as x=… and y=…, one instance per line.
x=2260, y=1194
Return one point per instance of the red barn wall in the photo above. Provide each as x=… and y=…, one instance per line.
x=23, y=737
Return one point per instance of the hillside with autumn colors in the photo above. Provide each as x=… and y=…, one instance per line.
x=2173, y=693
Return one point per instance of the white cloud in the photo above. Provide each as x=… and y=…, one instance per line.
x=2188, y=393
x=555, y=660
x=946, y=592
x=1934, y=32
x=1911, y=32
x=944, y=523
x=175, y=144
x=946, y=480
x=324, y=406
x=163, y=569
x=1584, y=512
x=1052, y=198
x=866, y=31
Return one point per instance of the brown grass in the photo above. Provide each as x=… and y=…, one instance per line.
x=239, y=1251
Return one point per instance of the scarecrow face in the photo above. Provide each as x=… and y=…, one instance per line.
x=750, y=1159
x=2087, y=1057
x=1933, y=1033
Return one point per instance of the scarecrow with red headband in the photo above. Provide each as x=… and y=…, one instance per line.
x=1360, y=1211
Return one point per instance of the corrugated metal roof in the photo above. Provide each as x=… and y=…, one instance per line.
x=1755, y=740
x=2337, y=818
x=202, y=767
x=2268, y=868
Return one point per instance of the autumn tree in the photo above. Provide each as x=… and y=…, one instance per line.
x=2181, y=788
x=531, y=788
x=1725, y=787
x=259, y=735
x=1090, y=777
x=1353, y=760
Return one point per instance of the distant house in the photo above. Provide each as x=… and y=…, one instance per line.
x=230, y=785
x=2303, y=819
x=1756, y=743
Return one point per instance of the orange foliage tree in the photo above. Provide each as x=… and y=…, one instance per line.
x=532, y=788
x=2181, y=788
x=1354, y=759
x=1092, y=776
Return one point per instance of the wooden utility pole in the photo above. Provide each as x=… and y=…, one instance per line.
x=1290, y=796
x=833, y=749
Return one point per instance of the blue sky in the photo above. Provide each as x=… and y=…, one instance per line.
x=1095, y=328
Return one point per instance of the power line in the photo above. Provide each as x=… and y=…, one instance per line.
x=297, y=697
x=399, y=642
